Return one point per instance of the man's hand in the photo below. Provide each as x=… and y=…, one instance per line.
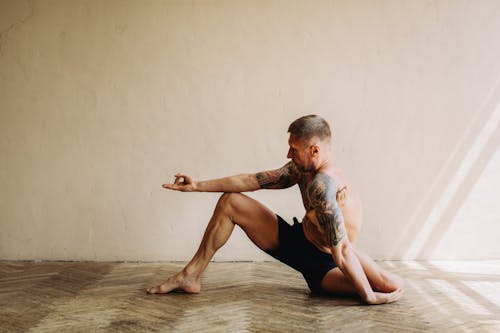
x=182, y=183
x=384, y=298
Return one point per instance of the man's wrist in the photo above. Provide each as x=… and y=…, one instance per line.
x=196, y=186
x=370, y=298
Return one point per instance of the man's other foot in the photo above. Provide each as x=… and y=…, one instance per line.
x=178, y=282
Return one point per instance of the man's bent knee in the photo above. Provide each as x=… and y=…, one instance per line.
x=228, y=197
x=228, y=200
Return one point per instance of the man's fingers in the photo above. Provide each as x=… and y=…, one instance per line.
x=177, y=187
x=384, y=298
x=182, y=179
x=182, y=182
x=396, y=296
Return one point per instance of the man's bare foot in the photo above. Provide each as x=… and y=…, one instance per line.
x=391, y=282
x=178, y=282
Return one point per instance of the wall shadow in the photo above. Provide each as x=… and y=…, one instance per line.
x=449, y=190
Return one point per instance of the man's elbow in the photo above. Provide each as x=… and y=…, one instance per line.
x=251, y=183
x=341, y=251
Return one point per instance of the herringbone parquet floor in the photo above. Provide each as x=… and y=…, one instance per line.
x=240, y=297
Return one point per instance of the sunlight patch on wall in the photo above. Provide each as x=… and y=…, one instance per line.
x=432, y=222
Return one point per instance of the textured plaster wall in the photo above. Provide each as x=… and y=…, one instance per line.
x=103, y=101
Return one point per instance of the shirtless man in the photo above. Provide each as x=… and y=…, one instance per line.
x=320, y=247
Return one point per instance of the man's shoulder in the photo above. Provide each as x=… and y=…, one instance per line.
x=322, y=184
x=323, y=178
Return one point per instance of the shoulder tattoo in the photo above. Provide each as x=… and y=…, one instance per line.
x=283, y=177
x=322, y=196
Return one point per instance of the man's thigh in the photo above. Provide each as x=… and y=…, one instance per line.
x=335, y=282
x=257, y=221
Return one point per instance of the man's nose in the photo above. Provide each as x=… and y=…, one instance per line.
x=289, y=154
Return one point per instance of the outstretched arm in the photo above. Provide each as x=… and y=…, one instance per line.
x=238, y=183
x=283, y=177
x=322, y=196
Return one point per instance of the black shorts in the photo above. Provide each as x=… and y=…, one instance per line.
x=300, y=254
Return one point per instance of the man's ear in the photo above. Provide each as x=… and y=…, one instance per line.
x=315, y=149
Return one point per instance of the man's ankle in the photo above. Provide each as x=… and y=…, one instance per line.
x=190, y=272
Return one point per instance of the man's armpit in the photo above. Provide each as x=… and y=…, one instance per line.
x=322, y=197
x=276, y=179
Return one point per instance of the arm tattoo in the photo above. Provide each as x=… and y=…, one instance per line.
x=283, y=177
x=322, y=197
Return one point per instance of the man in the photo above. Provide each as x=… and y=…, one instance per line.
x=320, y=247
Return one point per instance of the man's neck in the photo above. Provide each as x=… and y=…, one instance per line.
x=323, y=164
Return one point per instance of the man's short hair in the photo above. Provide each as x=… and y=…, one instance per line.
x=307, y=127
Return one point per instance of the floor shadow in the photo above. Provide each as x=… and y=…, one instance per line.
x=461, y=307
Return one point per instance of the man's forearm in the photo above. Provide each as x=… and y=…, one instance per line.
x=351, y=267
x=238, y=183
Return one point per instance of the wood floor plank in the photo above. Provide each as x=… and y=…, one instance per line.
x=239, y=297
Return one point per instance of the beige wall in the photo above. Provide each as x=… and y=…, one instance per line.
x=102, y=101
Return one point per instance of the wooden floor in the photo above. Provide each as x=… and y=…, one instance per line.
x=240, y=297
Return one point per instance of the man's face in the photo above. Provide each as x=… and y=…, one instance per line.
x=300, y=153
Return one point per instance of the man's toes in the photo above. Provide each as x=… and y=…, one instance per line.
x=153, y=290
